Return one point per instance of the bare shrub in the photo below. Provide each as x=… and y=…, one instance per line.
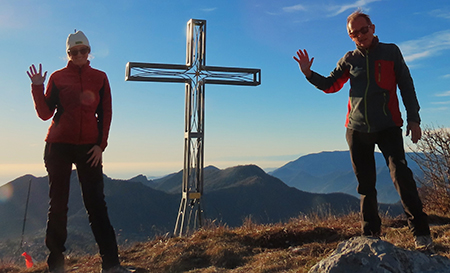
x=432, y=154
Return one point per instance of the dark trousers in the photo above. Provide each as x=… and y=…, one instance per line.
x=58, y=159
x=390, y=142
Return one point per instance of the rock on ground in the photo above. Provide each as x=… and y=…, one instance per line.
x=372, y=255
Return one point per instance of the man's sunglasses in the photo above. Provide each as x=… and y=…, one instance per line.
x=363, y=30
x=74, y=52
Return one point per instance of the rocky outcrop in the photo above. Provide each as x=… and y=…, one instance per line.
x=372, y=255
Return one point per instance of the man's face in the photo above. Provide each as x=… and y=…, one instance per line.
x=361, y=32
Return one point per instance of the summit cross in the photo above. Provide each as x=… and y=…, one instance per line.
x=195, y=74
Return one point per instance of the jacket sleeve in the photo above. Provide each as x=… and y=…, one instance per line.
x=104, y=114
x=406, y=86
x=334, y=82
x=45, y=104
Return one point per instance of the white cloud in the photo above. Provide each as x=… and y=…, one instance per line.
x=343, y=8
x=294, y=8
x=332, y=10
x=209, y=9
x=426, y=46
x=443, y=94
x=273, y=13
x=437, y=109
x=440, y=13
x=441, y=102
x=415, y=56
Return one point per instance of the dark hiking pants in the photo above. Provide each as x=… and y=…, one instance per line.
x=390, y=143
x=58, y=159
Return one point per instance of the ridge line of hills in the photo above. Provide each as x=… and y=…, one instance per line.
x=141, y=209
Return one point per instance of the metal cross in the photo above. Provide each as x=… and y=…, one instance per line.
x=195, y=74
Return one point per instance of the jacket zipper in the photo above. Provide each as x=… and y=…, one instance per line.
x=367, y=90
x=379, y=72
x=81, y=109
x=384, y=94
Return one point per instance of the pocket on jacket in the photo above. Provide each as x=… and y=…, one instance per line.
x=385, y=74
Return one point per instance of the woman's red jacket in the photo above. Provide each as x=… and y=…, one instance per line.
x=79, y=100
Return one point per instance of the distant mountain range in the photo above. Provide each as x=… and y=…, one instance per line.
x=140, y=208
x=328, y=172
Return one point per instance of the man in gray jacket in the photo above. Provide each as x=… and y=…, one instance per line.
x=375, y=70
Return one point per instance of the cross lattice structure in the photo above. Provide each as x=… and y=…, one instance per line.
x=195, y=74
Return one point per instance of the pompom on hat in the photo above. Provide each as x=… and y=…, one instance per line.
x=77, y=38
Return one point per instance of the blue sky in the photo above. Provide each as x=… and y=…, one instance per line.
x=269, y=125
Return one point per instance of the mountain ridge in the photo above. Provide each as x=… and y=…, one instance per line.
x=139, y=209
x=331, y=171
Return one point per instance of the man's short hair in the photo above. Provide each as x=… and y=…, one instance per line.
x=356, y=14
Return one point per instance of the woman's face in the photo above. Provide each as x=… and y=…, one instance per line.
x=79, y=54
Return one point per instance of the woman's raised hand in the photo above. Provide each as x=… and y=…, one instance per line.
x=36, y=76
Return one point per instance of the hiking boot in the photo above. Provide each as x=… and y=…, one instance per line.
x=423, y=243
x=374, y=235
x=55, y=262
x=57, y=270
x=116, y=269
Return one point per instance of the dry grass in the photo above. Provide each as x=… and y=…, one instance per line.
x=286, y=247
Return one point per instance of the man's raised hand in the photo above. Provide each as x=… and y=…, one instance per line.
x=304, y=62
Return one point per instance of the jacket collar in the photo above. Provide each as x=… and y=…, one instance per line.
x=375, y=42
x=73, y=66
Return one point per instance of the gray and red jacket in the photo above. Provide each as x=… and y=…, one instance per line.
x=374, y=76
x=81, y=98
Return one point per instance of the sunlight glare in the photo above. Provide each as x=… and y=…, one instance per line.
x=6, y=192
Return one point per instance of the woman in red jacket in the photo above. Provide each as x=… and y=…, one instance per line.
x=78, y=97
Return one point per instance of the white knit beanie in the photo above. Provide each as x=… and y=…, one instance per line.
x=77, y=38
